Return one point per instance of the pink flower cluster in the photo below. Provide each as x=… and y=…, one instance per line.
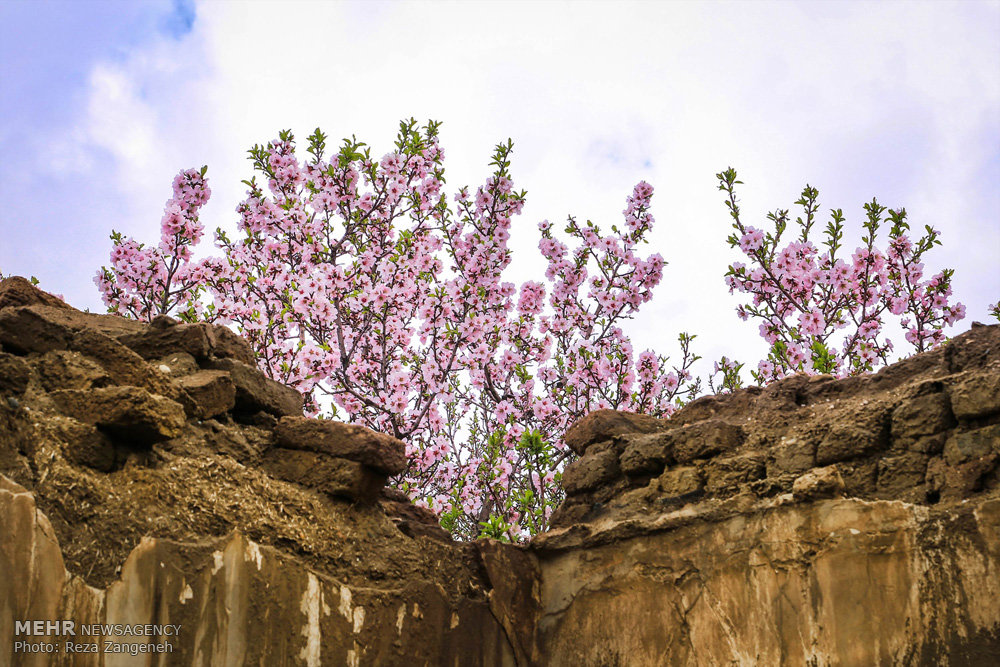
x=357, y=282
x=146, y=281
x=804, y=295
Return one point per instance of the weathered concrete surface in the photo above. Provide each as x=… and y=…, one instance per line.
x=236, y=602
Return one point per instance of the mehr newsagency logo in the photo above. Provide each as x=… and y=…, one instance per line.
x=64, y=636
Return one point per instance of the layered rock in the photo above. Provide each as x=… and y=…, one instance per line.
x=832, y=582
x=925, y=430
x=150, y=473
x=813, y=522
x=235, y=602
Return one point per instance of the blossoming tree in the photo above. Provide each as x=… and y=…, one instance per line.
x=804, y=296
x=356, y=281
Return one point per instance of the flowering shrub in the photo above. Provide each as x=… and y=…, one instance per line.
x=803, y=295
x=358, y=283
x=147, y=281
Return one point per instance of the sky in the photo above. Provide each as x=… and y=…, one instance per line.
x=102, y=103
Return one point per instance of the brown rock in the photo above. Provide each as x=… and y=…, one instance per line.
x=40, y=328
x=349, y=441
x=126, y=413
x=594, y=469
x=17, y=441
x=793, y=454
x=921, y=416
x=16, y=291
x=773, y=486
x=125, y=367
x=43, y=328
x=929, y=444
x=33, y=329
x=818, y=388
x=605, y=424
x=264, y=420
x=162, y=321
x=977, y=348
x=212, y=391
x=899, y=476
x=818, y=483
x=176, y=365
x=573, y=509
x=245, y=444
x=210, y=437
x=122, y=364
x=936, y=474
x=859, y=477
x=700, y=409
x=645, y=454
x=787, y=394
x=62, y=369
x=903, y=371
x=684, y=596
x=704, y=439
x=724, y=476
x=965, y=446
x=86, y=445
x=166, y=338
x=255, y=392
x=865, y=433
x=977, y=396
x=956, y=483
x=516, y=596
x=227, y=344
x=334, y=476
x=30, y=559
x=14, y=375
x=681, y=481
x=266, y=604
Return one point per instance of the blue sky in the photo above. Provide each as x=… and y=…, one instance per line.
x=101, y=103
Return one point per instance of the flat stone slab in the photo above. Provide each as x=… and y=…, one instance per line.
x=350, y=441
x=124, y=412
x=334, y=476
x=255, y=392
x=212, y=391
x=602, y=425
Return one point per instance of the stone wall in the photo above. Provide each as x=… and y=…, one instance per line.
x=151, y=474
x=813, y=522
x=922, y=431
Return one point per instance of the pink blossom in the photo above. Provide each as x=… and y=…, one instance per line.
x=752, y=240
